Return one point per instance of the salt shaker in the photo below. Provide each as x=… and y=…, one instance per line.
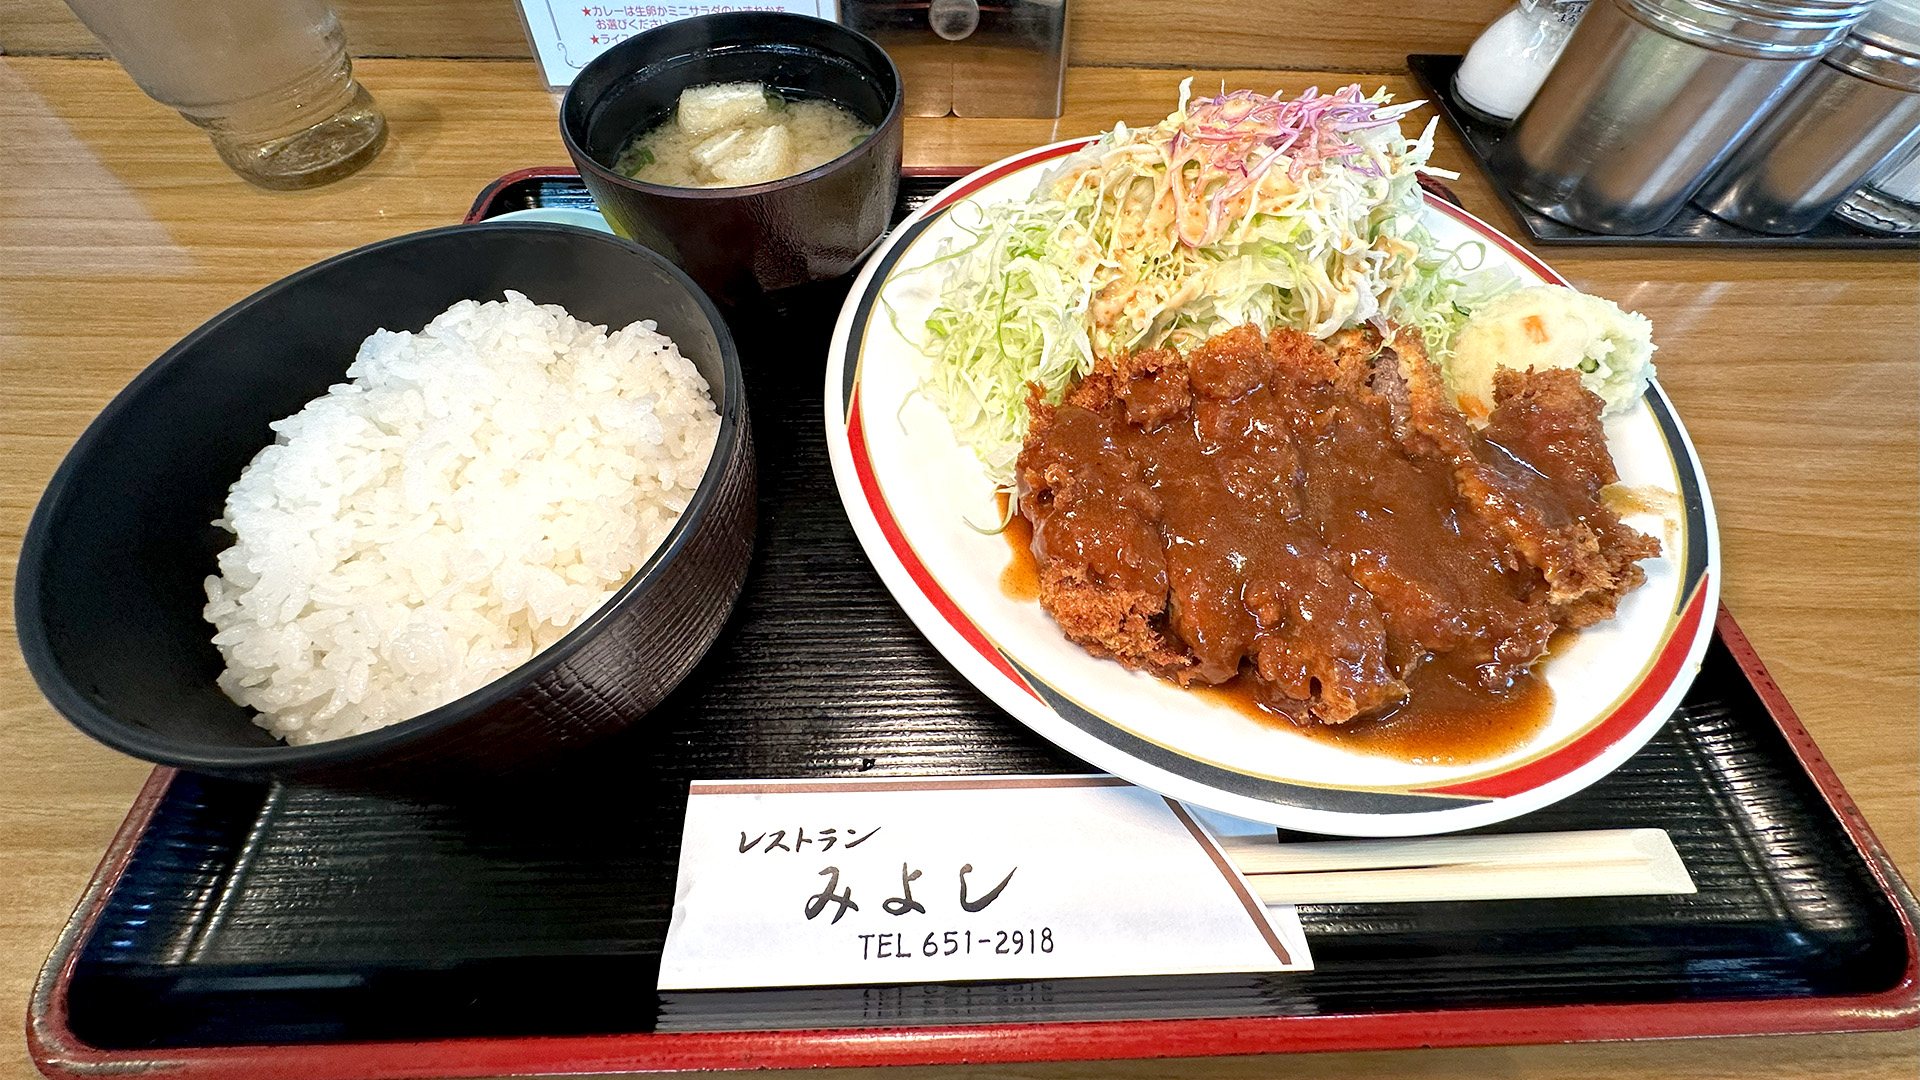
x=269, y=81
x=1511, y=58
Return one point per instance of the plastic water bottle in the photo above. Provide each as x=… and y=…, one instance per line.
x=269, y=80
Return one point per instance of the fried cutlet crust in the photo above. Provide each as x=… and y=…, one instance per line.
x=1319, y=515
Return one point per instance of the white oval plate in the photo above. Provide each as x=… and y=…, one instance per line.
x=910, y=490
x=559, y=215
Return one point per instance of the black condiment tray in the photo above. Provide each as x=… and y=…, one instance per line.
x=1691, y=227
x=244, y=930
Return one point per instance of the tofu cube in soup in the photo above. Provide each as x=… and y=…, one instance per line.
x=705, y=109
x=718, y=148
x=734, y=134
x=754, y=158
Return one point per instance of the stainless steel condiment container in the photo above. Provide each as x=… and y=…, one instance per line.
x=1858, y=107
x=1889, y=202
x=1651, y=95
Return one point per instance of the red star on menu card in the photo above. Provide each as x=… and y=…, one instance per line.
x=586, y=11
x=595, y=40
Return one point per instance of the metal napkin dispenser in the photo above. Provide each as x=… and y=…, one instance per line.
x=968, y=57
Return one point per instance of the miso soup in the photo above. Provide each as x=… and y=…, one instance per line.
x=732, y=134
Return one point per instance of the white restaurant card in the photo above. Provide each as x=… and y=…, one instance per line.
x=566, y=36
x=832, y=882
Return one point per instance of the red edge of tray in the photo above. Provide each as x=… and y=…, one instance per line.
x=59, y=1053
x=478, y=211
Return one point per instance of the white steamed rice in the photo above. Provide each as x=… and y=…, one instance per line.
x=472, y=494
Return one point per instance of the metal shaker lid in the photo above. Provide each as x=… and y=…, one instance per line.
x=1893, y=24
x=1764, y=29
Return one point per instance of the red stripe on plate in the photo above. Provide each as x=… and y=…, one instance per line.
x=863, y=466
x=1500, y=240
x=1524, y=778
x=883, y=515
x=960, y=191
x=1666, y=668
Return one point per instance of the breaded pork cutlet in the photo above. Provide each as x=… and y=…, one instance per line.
x=1319, y=516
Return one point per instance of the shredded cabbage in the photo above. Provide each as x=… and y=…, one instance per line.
x=1236, y=209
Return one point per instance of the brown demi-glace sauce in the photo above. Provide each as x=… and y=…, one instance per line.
x=1021, y=579
x=1314, y=522
x=1449, y=719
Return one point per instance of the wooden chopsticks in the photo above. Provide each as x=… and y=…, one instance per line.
x=1600, y=862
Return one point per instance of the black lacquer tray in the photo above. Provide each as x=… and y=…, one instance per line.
x=1691, y=227
x=240, y=930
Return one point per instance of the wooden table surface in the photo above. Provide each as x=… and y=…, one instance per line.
x=1797, y=373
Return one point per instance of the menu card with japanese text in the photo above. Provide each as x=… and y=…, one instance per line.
x=917, y=880
x=566, y=36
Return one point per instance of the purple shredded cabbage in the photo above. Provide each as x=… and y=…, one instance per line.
x=1243, y=134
